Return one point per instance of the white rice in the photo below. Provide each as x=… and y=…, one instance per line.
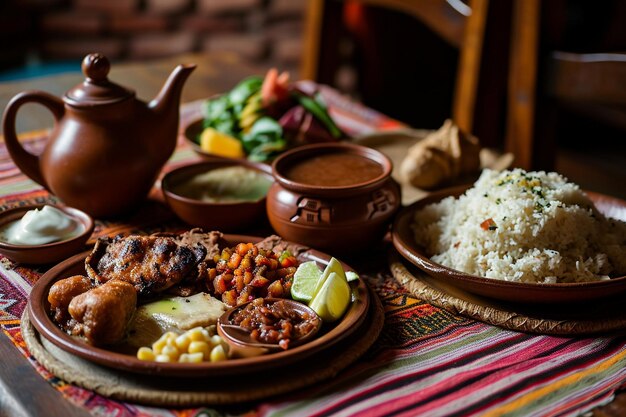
x=536, y=227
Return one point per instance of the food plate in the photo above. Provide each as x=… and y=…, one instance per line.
x=39, y=306
x=403, y=241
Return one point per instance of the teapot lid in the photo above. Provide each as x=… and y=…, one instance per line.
x=96, y=89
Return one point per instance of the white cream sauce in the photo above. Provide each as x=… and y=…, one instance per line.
x=41, y=226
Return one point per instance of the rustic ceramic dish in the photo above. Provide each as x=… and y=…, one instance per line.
x=49, y=252
x=38, y=308
x=242, y=345
x=224, y=216
x=339, y=219
x=402, y=236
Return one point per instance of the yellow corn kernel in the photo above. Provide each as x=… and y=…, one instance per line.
x=170, y=351
x=200, y=346
x=195, y=334
x=191, y=357
x=218, y=354
x=158, y=346
x=163, y=358
x=206, y=335
x=145, y=354
x=170, y=337
x=182, y=342
x=216, y=340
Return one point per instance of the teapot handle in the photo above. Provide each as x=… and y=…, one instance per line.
x=26, y=161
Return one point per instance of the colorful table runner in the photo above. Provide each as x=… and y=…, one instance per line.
x=426, y=361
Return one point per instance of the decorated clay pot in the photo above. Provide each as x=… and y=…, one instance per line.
x=333, y=196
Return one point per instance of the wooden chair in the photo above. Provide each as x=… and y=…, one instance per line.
x=480, y=82
x=510, y=78
x=541, y=79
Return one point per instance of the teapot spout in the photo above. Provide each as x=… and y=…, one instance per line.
x=168, y=98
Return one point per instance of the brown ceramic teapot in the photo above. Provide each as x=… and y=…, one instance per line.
x=107, y=147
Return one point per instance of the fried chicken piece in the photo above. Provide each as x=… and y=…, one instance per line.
x=151, y=263
x=102, y=313
x=62, y=292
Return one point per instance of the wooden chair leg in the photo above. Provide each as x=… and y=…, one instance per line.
x=323, y=26
x=523, y=82
x=312, y=40
x=469, y=66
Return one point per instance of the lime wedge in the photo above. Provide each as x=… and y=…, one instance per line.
x=352, y=276
x=333, y=266
x=332, y=300
x=304, y=281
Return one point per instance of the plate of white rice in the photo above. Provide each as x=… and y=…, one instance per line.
x=519, y=236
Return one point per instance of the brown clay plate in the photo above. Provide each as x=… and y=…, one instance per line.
x=403, y=241
x=329, y=335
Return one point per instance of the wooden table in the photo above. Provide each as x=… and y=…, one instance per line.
x=23, y=392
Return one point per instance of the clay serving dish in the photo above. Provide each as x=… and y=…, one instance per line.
x=338, y=218
x=328, y=337
x=49, y=252
x=239, y=340
x=516, y=292
x=224, y=216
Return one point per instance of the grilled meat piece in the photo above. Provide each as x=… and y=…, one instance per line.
x=102, y=313
x=152, y=264
x=212, y=241
x=277, y=245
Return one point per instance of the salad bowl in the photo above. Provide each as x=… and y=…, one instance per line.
x=259, y=119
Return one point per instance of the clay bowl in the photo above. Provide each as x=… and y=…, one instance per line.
x=340, y=218
x=223, y=216
x=243, y=346
x=505, y=291
x=50, y=252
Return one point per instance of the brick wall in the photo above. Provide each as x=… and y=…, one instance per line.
x=258, y=30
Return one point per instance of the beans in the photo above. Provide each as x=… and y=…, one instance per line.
x=274, y=322
x=244, y=273
x=193, y=346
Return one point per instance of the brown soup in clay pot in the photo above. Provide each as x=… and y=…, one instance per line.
x=336, y=197
x=334, y=169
